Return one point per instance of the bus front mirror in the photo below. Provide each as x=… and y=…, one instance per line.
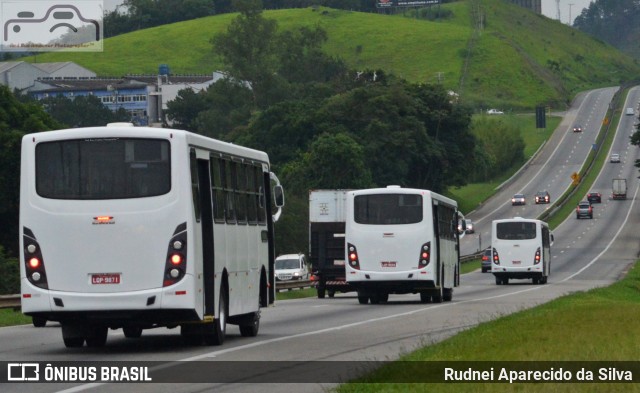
x=278, y=193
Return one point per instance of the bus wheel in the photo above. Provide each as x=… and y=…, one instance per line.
x=498, y=281
x=425, y=297
x=331, y=293
x=447, y=294
x=505, y=281
x=39, y=321
x=132, y=331
x=437, y=296
x=251, y=329
x=384, y=297
x=72, y=335
x=219, y=326
x=98, y=336
x=543, y=280
x=363, y=298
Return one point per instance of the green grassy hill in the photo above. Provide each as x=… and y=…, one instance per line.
x=493, y=52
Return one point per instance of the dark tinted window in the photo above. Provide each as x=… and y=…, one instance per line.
x=388, y=209
x=516, y=230
x=116, y=168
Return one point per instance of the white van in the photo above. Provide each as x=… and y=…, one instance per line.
x=630, y=111
x=520, y=249
x=292, y=267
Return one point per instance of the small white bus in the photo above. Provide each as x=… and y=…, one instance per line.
x=521, y=249
x=401, y=240
x=136, y=228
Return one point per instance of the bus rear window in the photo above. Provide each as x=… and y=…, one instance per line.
x=516, y=230
x=103, y=168
x=387, y=209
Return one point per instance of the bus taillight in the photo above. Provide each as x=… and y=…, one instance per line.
x=33, y=261
x=536, y=259
x=354, y=262
x=176, y=263
x=496, y=258
x=425, y=255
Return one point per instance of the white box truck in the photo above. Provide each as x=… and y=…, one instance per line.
x=619, y=189
x=326, y=241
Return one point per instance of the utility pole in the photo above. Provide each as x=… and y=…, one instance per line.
x=558, y=11
x=570, y=20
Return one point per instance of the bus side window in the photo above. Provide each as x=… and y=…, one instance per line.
x=230, y=211
x=217, y=188
x=260, y=197
x=251, y=191
x=240, y=192
x=195, y=189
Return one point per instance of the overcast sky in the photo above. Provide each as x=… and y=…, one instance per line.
x=549, y=8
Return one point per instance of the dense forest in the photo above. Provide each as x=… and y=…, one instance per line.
x=614, y=22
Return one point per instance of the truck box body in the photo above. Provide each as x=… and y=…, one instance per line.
x=326, y=240
x=619, y=189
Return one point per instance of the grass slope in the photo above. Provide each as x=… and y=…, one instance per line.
x=515, y=59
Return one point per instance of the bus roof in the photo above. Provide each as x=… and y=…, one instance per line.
x=400, y=190
x=115, y=130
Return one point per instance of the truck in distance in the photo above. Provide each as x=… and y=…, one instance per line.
x=619, y=187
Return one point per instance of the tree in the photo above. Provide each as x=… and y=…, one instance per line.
x=16, y=119
x=82, y=111
x=248, y=51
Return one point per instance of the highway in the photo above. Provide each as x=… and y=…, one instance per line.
x=586, y=254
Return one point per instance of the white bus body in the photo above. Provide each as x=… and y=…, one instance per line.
x=136, y=228
x=401, y=240
x=521, y=249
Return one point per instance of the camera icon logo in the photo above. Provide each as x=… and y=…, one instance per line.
x=49, y=26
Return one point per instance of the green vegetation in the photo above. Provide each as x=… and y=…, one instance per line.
x=484, y=66
x=473, y=194
x=10, y=317
x=295, y=294
x=598, y=324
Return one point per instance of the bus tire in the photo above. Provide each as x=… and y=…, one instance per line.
x=362, y=298
x=425, y=297
x=39, y=321
x=97, y=337
x=251, y=329
x=447, y=294
x=331, y=293
x=543, y=280
x=384, y=297
x=437, y=295
x=72, y=335
x=217, y=331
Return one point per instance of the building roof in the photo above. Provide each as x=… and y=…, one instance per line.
x=7, y=65
x=66, y=84
x=50, y=68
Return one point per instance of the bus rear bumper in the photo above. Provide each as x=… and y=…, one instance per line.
x=160, y=305
x=391, y=282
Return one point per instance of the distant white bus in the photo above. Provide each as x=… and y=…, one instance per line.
x=137, y=228
x=401, y=240
x=521, y=249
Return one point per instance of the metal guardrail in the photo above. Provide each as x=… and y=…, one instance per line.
x=9, y=301
x=13, y=301
x=293, y=284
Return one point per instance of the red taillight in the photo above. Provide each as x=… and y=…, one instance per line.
x=176, y=262
x=536, y=259
x=34, y=263
x=353, y=256
x=496, y=258
x=425, y=255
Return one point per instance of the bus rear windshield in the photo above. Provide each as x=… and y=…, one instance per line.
x=516, y=230
x=387, y=209
x=103, y=168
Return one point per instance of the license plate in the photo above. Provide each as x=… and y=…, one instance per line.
x=516, y=262
x=388, y=264
x=338, y=262
x=111, y=278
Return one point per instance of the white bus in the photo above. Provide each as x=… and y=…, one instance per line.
x=401, y=240
x=137, y=228
x=521, y=249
